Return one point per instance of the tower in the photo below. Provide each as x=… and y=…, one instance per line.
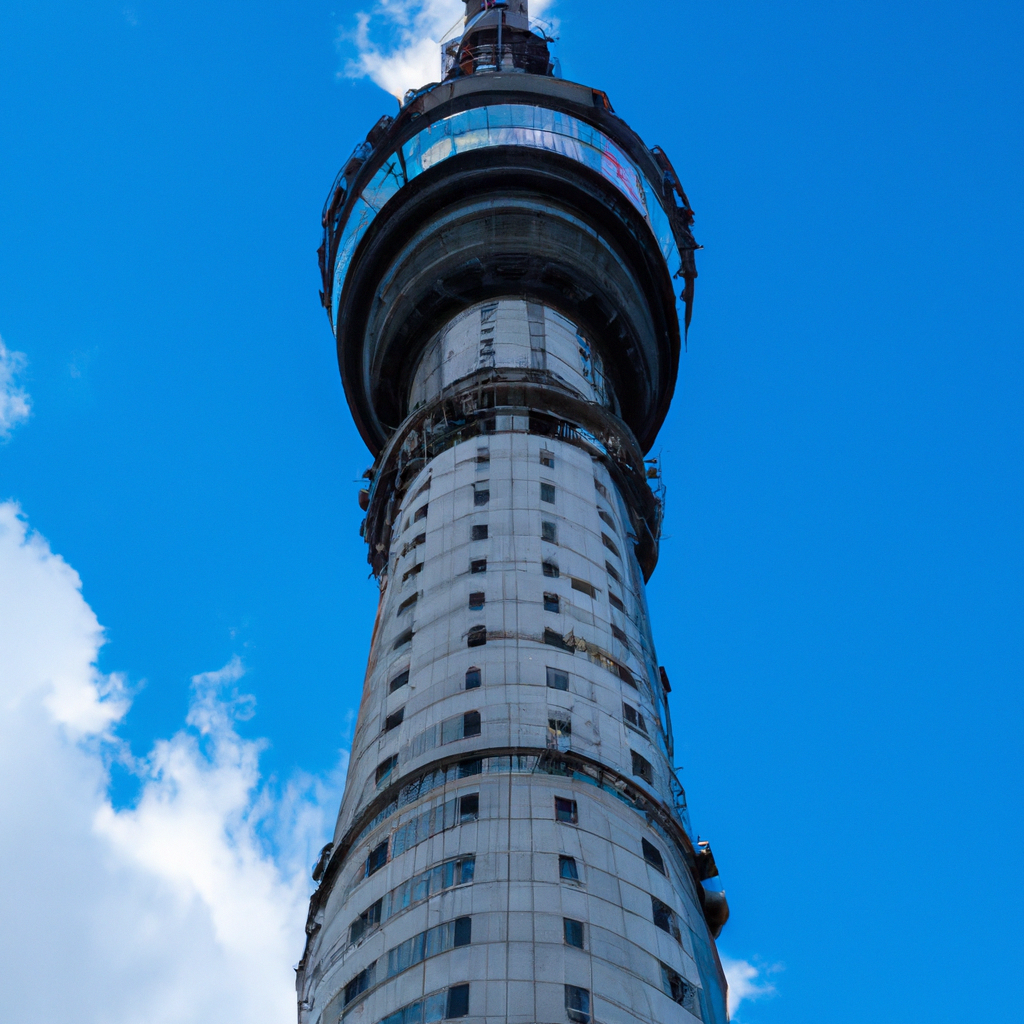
x=505, y=268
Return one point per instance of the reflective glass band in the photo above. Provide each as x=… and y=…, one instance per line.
x=506, y=124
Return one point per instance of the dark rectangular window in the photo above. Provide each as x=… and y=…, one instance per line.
x=614, y=601
x=610, y=544
x=476, y=600
x=605, y=518
x=550, y=602
x=360, y=983
x=469, y=807
x=554, y=638
x=377, y=858
x=547, y=459
x=577, y=1004
x=600, y=488
x=366, y=920
x=633, y=718
x=463, y=931
x=642, y=767
x=393, y=721
x=619, y=634
x=567, y=868
x=557, y=679
x=653, y=856
x=421, y=513
x=550, y=569
x=473, y=767
x=665, y=918
x=582, y=586
x=458, y=1001
x=483, y=456
x=573, y=931
x=408, y=603
x=479, y=532
x=403, y=638
x=471, y=723
x=399, y=681
x=612, y=572
x=417, y=568
x=565, y=810
x=472, y=678
x=481, y=495
x=560, y=726
x=385, y=767
x=548, y=532
x=547, y=492
x=477, y=636
x=625, y=675
x=679, y=990
x=478, y=565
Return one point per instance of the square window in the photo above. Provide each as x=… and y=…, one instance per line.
x=633, y=717
x=679, y=990
x=463, y=931
x=467, y=768
x=471, y=723
x=573, y=931
x=417, y=568
x=625, y=675
x=547, y=492
x=481, y=495
x=472, y=678
x=653, y=856
x=464, y=870
x=385, y=767
x=469, y=807
x=642, y=767
x=549, y=532
x=377, y=858
x=567, y=868
x=476, y=600
x=619, y=634
x=408, y=603
x=605, y=518
x=547, y=459
x=479, y=532
x=610, y=544
x=565, y=810
x=557, y=679
x=395, y=720
x=551, y=602
x=421, y=513
x=555, y=639
x=582, y=586
x=478, y=565
x=458, y=1001
x=399, y=681
x=560, y=727
x=614, y=601
x=403, y=638
x=611, y=570
x=665, y=918
x=600, y=488
x=477, y=636
x=483, y=456
x=577, y=1004
x=550, y=569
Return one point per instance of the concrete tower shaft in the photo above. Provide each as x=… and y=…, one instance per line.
x=501, y=265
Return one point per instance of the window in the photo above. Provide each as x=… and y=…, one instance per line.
x=395, y=720
x=472, y=678
x=481, y=495
x=554, y=638
x=421, y=513
x=478, y=565
x=483, y=456
x=642, y=767
x=548, y=532
x=653, y=856
x=463, y=931
x=582, y=586
x=619, y=634
x=458, y=1001
x=565, y=810
x=560, y=727
x=600, y=488
x=408, y=603
x=577, y=1004
x=476, y=600
x=417, y=568
x=573, y=931
x=469, y=807
x=547, y=458
x=377, y=859
x=473, y=767
x=610, y=544
x=679, y=990
x=477, y=636
x=615, y=602
x=547, y=493
x=403, y=638
x=550, y=569
x=557, y=679
x=665, y=918
x=613, y=573
x=633, y=718
x=399, y=681
x=471, y=723
x=422, y=490
x=360, y=983
x=550, y=602
x=625, y=675
x=567, y=868
x=605, y=518
x=479, y=532
x=366, y=920
x=385, y=767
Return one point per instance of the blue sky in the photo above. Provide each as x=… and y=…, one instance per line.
x=838, y=601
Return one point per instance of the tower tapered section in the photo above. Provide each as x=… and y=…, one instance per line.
x=505, y=266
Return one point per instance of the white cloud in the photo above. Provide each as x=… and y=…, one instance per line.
x=187, y=907
x=398, y=42
x=14, y=401
x=742, y=977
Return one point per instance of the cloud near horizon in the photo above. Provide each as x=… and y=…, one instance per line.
x=188, y=906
